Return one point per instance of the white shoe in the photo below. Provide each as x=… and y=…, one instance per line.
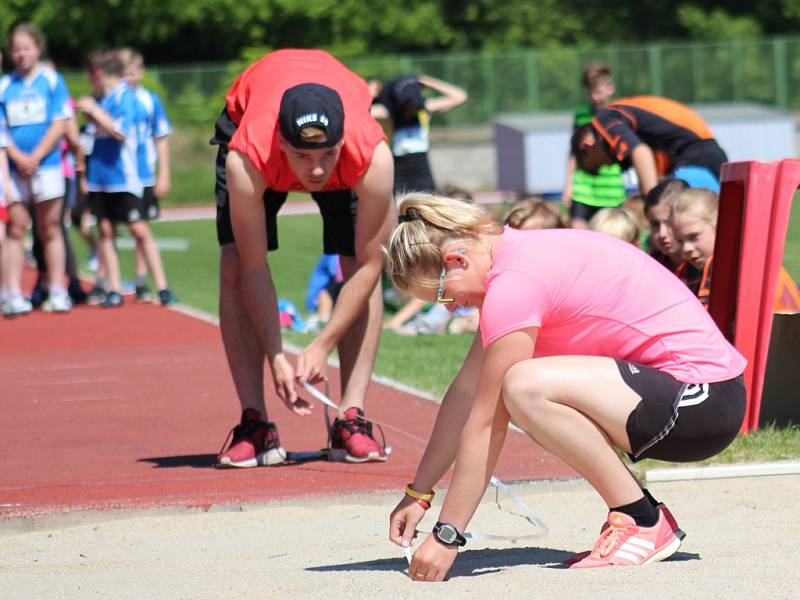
x=57, y=303
x=16, y=305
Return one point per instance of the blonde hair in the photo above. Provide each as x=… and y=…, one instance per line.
x=313, y=135
x=130, y=57
x=426, y=223
x=700, y=203
x=618, y=222
x=524, y=209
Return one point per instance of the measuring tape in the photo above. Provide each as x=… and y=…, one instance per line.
x=498, y=485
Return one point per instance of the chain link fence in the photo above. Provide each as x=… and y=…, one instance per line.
x=765, y=71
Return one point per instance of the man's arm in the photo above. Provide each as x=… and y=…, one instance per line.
x=246, y=188
x=644, y=163
x=376, y=217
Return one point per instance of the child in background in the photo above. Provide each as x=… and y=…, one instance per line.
x=153, y=158
x=694, y=222
x=323, y=289
x=618, y=222
x=586, y=193
x=115, y=189
x=5, y=192
x=657, y=207
x=533, y=213
x=34, y=102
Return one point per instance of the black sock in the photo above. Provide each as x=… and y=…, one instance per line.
x=649, y=496
x=642, y=511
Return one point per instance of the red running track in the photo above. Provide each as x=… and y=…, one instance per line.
x=126, y=408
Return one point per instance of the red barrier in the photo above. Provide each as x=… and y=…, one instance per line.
x=755, y=204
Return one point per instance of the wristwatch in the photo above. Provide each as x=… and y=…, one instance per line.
x=448, y=535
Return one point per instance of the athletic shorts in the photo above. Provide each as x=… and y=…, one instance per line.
x=45, y=184
x=152, y=209
x=117, y=207
x=412, y=173
x=681, y=422
x=338, y=207
x=584, y=212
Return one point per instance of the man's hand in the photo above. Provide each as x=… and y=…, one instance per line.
x=283, y=374
x=404, y=520
x=312, y=364
x=432, y=561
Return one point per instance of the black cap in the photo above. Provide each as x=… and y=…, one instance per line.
x=400, y=93
x=311, y=105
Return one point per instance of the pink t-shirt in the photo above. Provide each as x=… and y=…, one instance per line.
x=592, y=294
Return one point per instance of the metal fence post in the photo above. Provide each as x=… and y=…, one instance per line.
x=781, y=85
x=654, y=62
x=532, y=79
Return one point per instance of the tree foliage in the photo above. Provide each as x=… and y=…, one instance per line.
x=169, y=31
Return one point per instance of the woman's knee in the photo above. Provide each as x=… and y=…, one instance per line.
x=524, y=387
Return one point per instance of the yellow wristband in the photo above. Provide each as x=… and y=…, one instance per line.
x=428, y=496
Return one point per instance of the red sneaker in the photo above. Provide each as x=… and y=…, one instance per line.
x=254, y=443
x=352, y=441
x=679, y=533
x=625, y=544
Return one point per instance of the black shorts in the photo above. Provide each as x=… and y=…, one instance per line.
x=584, y=212
x=152, y=210
x=338, y=207
x=412, y=173
x=117, y=207
x=681, y=422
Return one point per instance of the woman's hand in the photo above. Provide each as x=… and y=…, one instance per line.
x=432, y=561
x=403, y=521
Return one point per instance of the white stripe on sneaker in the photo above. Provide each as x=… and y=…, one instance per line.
x=640, y=542
x=635, y=549
x=627, y=556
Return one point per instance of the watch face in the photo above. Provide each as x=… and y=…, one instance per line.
x=447, y=534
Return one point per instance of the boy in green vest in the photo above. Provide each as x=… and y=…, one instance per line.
x=584, y=193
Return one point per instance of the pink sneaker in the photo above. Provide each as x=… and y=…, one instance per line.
x=679, y=533
x=352, y=441
x=625, y=544
x=254, y=443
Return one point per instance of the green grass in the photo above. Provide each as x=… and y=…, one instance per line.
x=767, y=444
x=791, y=254
x=426, y=362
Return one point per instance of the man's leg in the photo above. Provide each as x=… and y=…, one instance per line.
x=242, y=348
x=255, y=442
x=359, y=346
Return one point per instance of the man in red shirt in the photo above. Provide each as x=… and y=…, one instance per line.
x=299, y=120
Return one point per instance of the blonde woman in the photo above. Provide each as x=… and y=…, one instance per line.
x=575, y=354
